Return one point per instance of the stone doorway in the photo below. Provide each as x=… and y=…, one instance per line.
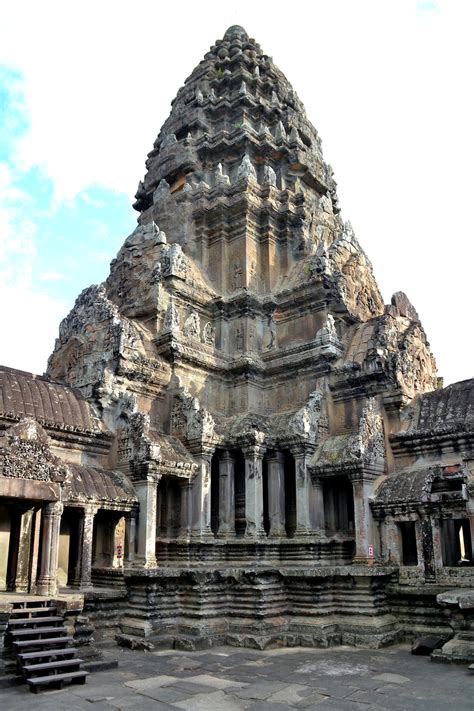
x=20, y=549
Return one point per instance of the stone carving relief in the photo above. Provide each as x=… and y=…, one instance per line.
x=239, y=338
x=369, y=444
x=327, y=337
x=237, y=275
x=246, y=169
x=209, y=334
x=269, y=176
x=171, y=320
x=219, y=177
x=25, y=453
x=142, y=446
x=192, y=325
x=308, y=422
x=271, y=333
x=173, y=262
x=189, y=420
x=352, y=276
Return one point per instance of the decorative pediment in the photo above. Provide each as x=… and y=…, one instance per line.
x=25, y=453
x=189, y=420
x=354, y=452
x=165, y=453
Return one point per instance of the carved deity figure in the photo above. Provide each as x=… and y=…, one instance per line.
x=237, y=275
x=239, y=339
x=171, y=322
x=209, y=334
x=191, y=325
x=272, y=330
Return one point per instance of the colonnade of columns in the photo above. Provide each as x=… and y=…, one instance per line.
x=33, y=555
x=158, y=505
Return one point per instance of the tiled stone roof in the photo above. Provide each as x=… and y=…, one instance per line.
x=450, y=409
x=99, y=485
x=27, y=395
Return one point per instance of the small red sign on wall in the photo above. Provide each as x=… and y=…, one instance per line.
x=371, y=551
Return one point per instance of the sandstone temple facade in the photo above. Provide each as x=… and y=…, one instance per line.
x=235, y=440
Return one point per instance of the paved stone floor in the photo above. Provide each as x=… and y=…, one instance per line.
x=228, y=679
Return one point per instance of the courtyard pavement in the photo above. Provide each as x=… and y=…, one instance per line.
x=229, y=679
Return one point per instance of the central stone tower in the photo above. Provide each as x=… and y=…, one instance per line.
x=240, y=349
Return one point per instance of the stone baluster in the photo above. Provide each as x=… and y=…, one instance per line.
x=24, y=551
x=254, y=491
x=186, y=487
x=276, y=493
x=201, y=496
x=47, y=584
x=226, y=495
x=363, y=521
x=130, y=537
x=86, y=545
x=303, y=490
x=146, y=491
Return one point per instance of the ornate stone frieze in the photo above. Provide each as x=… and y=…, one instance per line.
x=25, y=453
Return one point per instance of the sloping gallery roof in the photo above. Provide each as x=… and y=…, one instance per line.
x=101, y=486
x=52, y=404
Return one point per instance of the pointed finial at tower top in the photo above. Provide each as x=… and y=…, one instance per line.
x=236, y=32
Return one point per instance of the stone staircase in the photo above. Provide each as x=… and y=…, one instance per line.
x=41, y=645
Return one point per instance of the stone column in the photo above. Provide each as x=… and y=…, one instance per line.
x=471, y=526
x=436, y=544
x=303, y=491
x=86, y=543
x=316, y=506
x=146, y=491
x=254, y=491
x=226, y=495
x=276, y=493
x=47, y=584
x=24, y=551
x=201, y=496
x=35, y=549
x=392, y=541
x=186, y=487
x=130, y=537
x=363, y=522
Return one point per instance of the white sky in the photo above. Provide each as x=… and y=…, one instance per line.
x=388, y=85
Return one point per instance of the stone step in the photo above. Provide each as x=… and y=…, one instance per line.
x=36, y=682
x=40, y=642
x=30, y=610
x=34, y=621
x=46, y=666
x=47, y=653
x=37, y=631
